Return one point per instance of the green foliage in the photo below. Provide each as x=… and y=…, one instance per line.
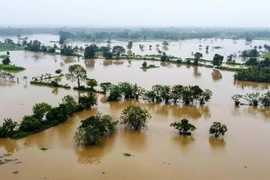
x=256, y=74
x=118, y=50
x=94, y=129
x=29, y=124
x=197, y=57
x=105, y=86
x=66, y=50
x=34, y=46
x=44, y=149
x=90, y=51
x=130, y=45
x=127, y=154
x=184, y=127
x=253, y=99
x=217, y=60
x=135, y=117
x=51, y=50
x=252, y=62
x=11, y=68
x=236, y=99
x=217, y=129
x=40, y=109
x=76, y=72
x=92, y=83
x=58, y=71
x=57, y=114
x=6, y=61
x=250, y=53
x=87, y=101
x=107, y=55
x=7, y=128
x=70, y=104
x=115, y=93
x=144, y=64
x=164, y=57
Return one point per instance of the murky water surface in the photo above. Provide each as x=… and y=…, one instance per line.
x=157, y=153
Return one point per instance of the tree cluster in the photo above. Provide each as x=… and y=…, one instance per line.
x=253, y=99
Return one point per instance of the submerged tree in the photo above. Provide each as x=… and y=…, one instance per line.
x=40, y=109
x=197, y=57
x=184, y=127
x=217, y=129
x=94, y=129
x=105, y=86
x=7, y=128
x=76, y=72
x=135, y=117
x=217, y=60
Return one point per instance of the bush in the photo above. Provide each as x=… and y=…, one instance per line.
x=88, y=101
x=40, y=109
x=135, y=117
x=184, y=127
x=7, y=128
x=58, y=114
x=51, y=50
x=58, y=71
x=30, y=124
x=94, y=129
x=217, y=129
x=70, y=104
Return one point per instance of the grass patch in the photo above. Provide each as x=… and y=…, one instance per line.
x=11, y=68
x=266, y=55
x=4, y=56
x=10, y=47
x=127, y=154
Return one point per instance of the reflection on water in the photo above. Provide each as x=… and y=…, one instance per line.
x=196, y=72
x=89, y=63
x=256, y=86
x=174, y=110
x=11, y=146
x=133, y=140
x=118, y=62
x=256, y=112
x=107, y=62
x=217, y=143
x=94, y=154
x=183, y=141
x=216, y=75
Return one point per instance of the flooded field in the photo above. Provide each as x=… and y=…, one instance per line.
x=157, y=153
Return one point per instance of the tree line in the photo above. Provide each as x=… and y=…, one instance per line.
x=252, y=99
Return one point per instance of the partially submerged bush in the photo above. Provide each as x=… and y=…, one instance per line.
x=29, y=124
x=184, y=127
x=135, y=117
x=94, y=129
x=7, y=128
x=217, y=129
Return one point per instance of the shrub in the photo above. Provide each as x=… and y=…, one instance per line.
x=40, y=109
x=94, y=129
x=30, y=124
x=58, y=71
x=7, y=128
x=58, y=114
x=184, y=127
x=135, y=117
x=217, y=129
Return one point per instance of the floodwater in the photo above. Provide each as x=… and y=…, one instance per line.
x=181, y=48
x=158, y=152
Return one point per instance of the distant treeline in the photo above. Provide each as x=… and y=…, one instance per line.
x=171, y=33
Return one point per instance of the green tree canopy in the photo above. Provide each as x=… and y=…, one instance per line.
x=184, y=127
x=217, y=60
x=76, y=72
x=135, y=117
x=217, y=129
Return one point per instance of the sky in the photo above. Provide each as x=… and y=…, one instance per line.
x=140, y=13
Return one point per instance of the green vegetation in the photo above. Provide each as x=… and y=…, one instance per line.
x=44, y=149
x=145, y=66
x=197, y=56
x=11, y=68
x=217, y=129
x=135, y=117
x=76, y=72
x=250, y=53
x=127, y=154
x=253, y=99
x=184, y=127
x=255, y=74
x=10, y=47
x=35, y=123
x=94, y=130
x=51, y=84
x=58, y=71
x=217, y=60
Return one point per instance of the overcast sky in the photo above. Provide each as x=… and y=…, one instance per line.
x=210, y=13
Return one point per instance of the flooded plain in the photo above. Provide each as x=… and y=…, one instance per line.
x=158, y=152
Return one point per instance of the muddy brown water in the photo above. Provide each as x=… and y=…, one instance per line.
x=156, y=153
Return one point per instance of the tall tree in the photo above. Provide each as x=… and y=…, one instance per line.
x=217, y=60
x=197, y=56
x=76, y=72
